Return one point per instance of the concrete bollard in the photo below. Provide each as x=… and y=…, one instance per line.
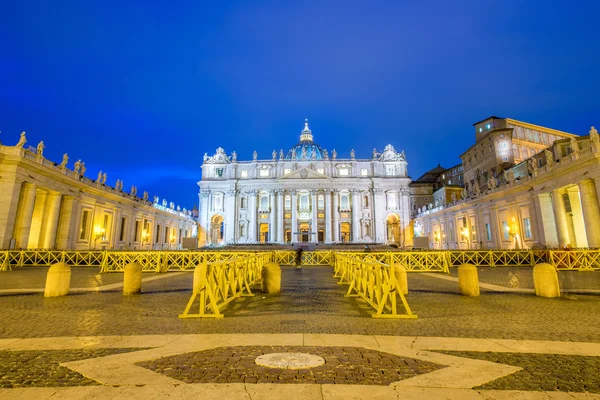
x=58, y=280
x=545, y=280
x=271, y=278
x=399, y=272
x=132, y=280
x=468, y=280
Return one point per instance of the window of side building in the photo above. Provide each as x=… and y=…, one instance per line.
x=364, y=172
x=244, y=174
x=85, y=216
x=527, y=228
x=343, y=171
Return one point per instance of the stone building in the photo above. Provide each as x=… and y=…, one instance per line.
x=46, y=205
x=306, y=194
x=548, y=199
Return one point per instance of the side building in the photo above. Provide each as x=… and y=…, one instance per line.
x=45, y=205
x=525, y=187
x=305, y=195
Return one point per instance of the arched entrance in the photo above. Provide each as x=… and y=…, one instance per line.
x=392, y=223
x=217, y=227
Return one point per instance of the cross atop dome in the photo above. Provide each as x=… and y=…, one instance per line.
x=306, y=135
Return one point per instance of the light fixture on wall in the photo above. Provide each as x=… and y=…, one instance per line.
x=512, y=229
x=436, y=236
x=145, y=236
x=465, y=233
x=99, y=232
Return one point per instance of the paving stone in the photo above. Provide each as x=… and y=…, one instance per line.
x=41, y=368
x=542, y=372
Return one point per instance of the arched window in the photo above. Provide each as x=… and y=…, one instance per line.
x=304, y=201
x=365, y=201
x=264, y=203
x=344, y=201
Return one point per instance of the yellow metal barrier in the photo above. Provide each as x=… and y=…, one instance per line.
x=218, y=283
x=581, y=260
x=374, y=282
x=413, y=261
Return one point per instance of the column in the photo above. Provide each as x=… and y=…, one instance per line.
x=24, y=215
x=280, y=216
x=328, y=232
x=230, y=207
x=560, y=215
x=203, y=229
x=10, y=192
x=272, y=213
x=314, y=226
x=50, y=222
x=294, y=227
x=546, y=224
x=65, y=222
x=591, y=211
x=252, y=210
x=356, y=236
x=379, y=212
x=336, y=216
x=36, y=221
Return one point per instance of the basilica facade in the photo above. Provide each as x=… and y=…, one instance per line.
x=306, y=194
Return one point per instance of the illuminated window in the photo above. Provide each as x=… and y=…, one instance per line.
x=320, y=170
x=286, y=171
x=244, y=174
x=264, y=172
x=137, y=231
x=85, y=216
x=122, y=231
x=527, y=228
x=488, y=126
x=503, y=145
x=343, y=172
x=480, y=129
x=106, y=227
x=504, y=159
x=505, y=229
x=364, y=172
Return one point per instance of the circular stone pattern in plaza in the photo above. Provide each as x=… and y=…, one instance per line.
x=338, y=365
x=289, y=360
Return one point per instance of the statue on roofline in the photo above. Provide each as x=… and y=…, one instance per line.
x=22, y=140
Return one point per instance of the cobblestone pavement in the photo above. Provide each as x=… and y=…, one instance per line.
x=35, y=368
x=343, y=365
x=542, y=372
x=310, y=302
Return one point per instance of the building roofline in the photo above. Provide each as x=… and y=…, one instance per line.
x=540, y=128
x=485, y=119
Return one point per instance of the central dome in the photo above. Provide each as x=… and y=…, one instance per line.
x=307, y=146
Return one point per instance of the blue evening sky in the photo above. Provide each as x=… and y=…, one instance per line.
x=141, y=90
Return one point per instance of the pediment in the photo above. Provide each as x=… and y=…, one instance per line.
x=305, y=173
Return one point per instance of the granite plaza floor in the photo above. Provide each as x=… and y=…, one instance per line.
x=507, y=343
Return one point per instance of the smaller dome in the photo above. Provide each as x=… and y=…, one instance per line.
x=309, y=146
